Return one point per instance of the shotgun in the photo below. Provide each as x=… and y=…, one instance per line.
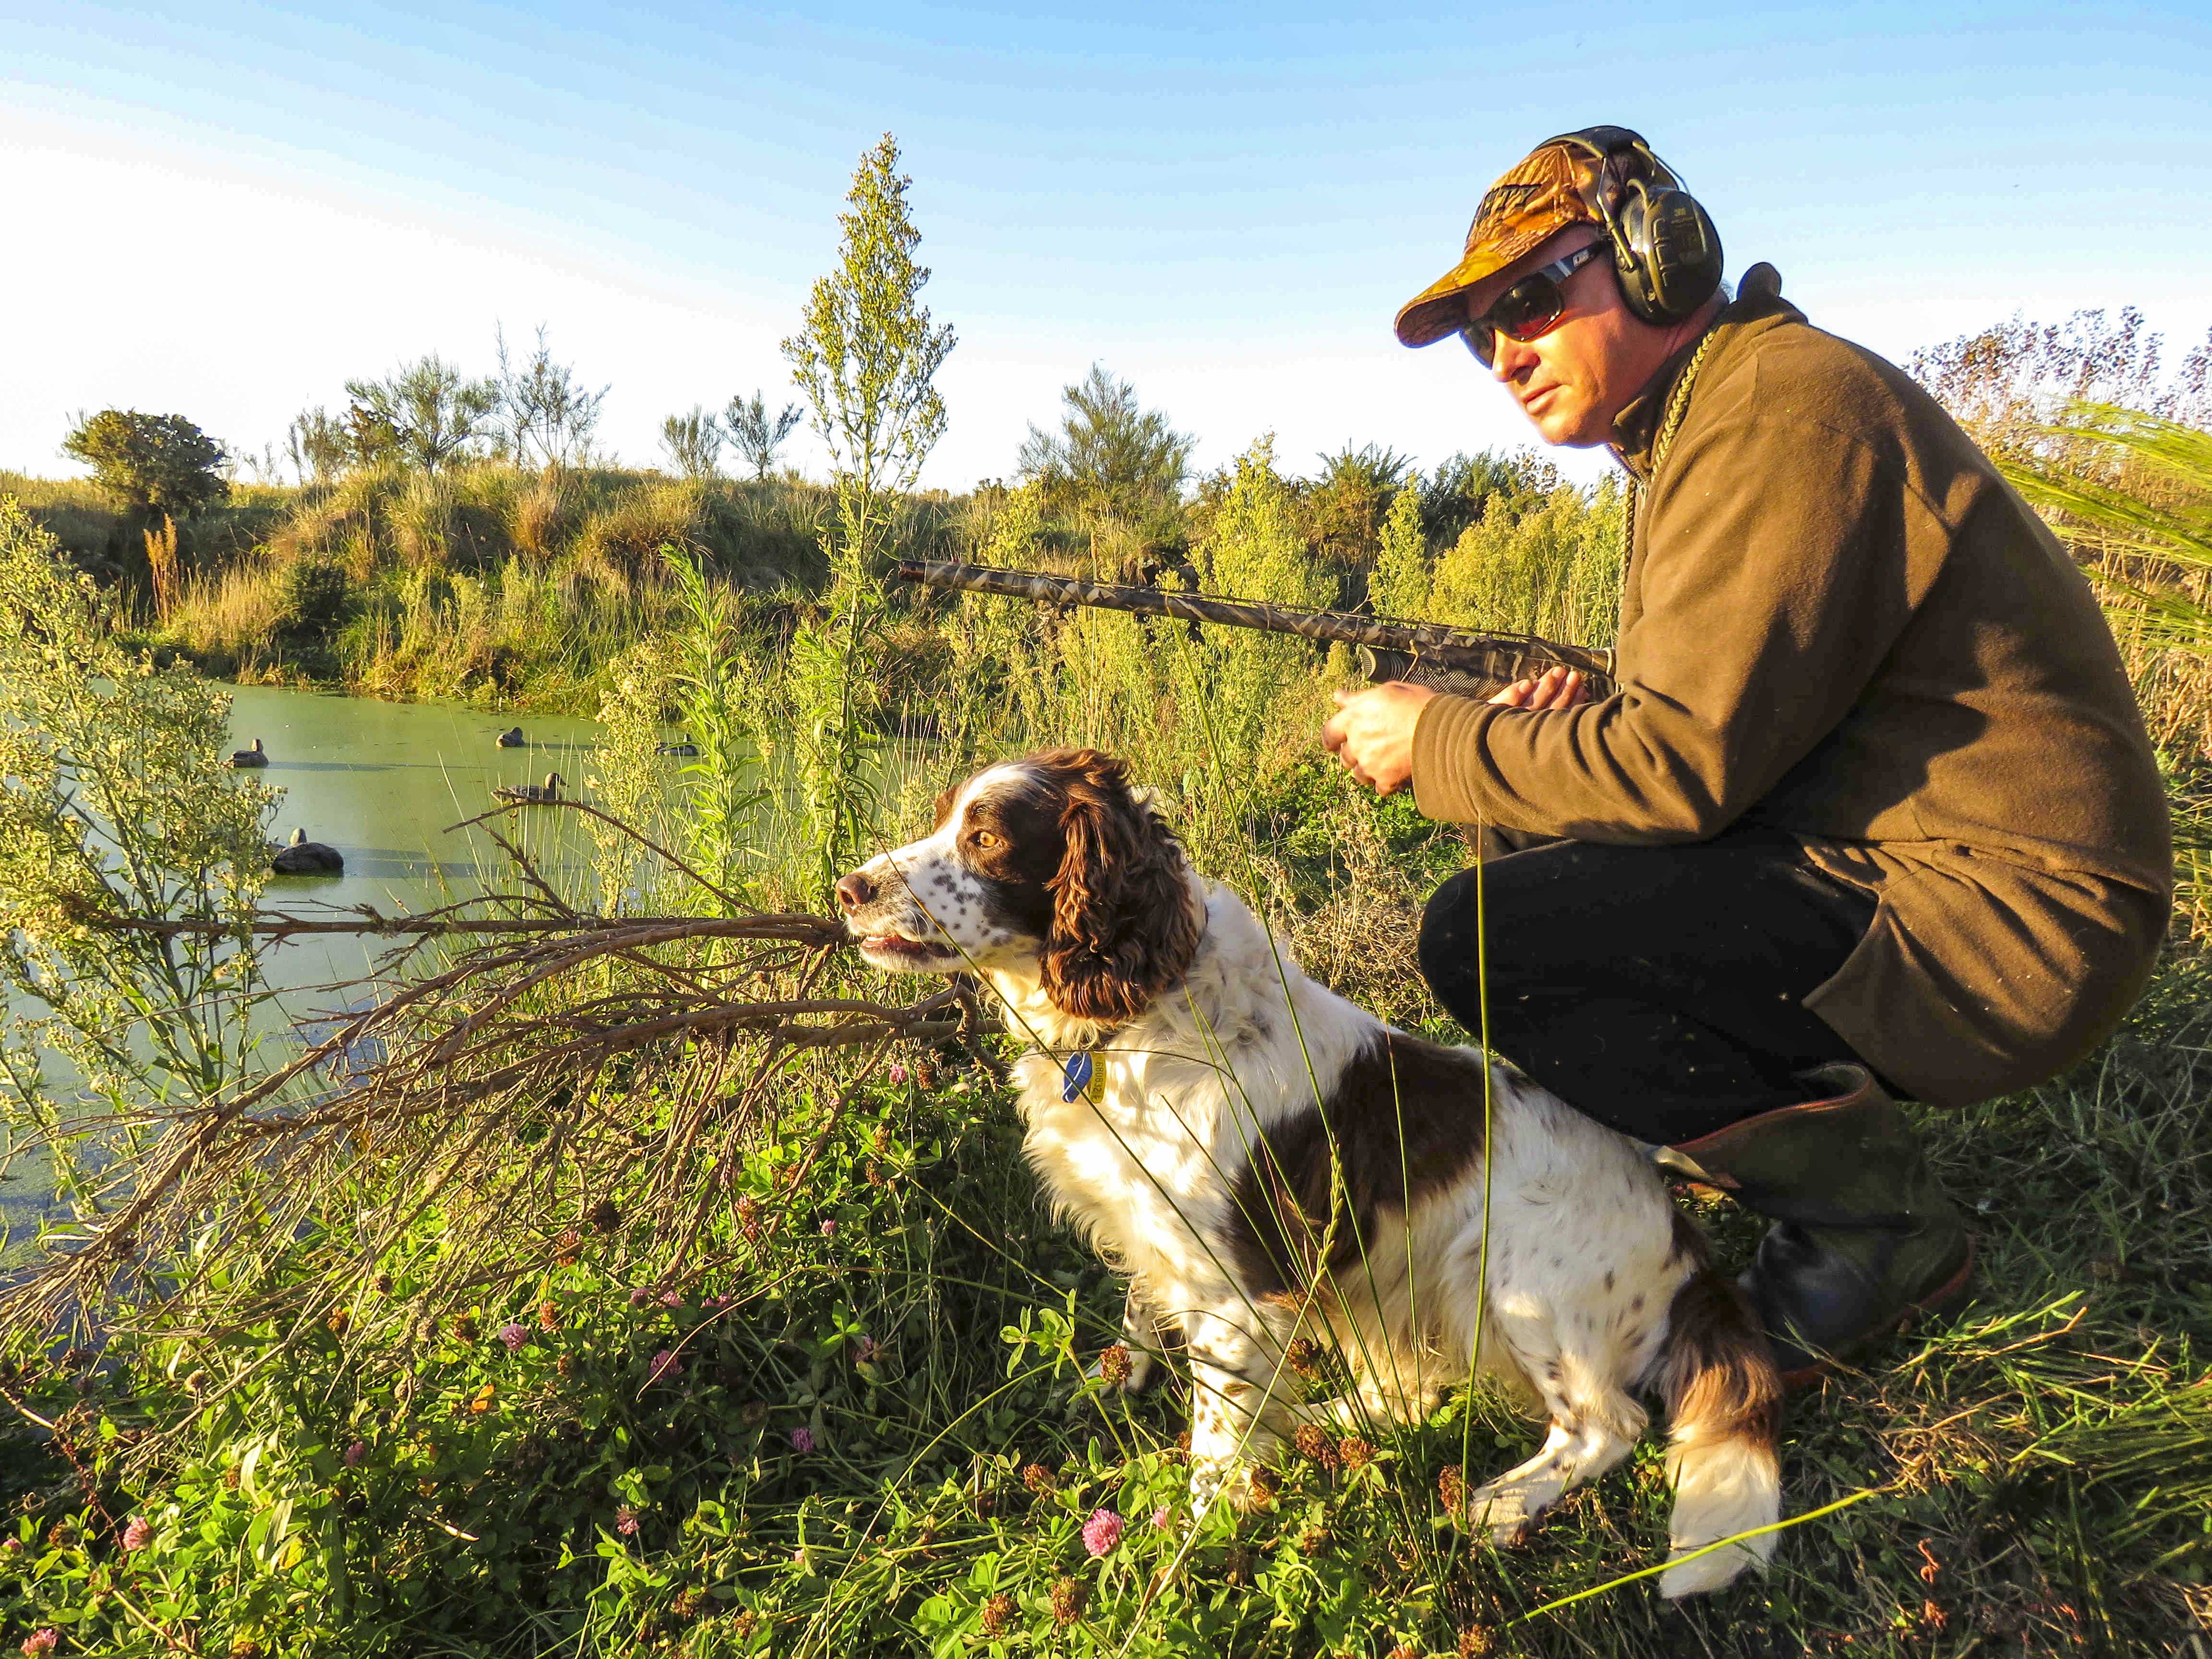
x=1459, y=660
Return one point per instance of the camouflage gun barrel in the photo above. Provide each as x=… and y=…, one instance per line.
x=1455, y=660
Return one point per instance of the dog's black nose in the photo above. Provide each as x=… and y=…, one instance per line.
x=855, y=890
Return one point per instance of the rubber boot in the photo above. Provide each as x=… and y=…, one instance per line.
x=1863, y=1235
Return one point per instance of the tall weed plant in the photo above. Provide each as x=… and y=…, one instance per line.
x=1242, y=695
x=117, y=815
x=1550, y=566
x=866, y=359
x=731, y=713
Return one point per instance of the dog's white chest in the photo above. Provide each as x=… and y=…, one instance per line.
x=1129, y=1161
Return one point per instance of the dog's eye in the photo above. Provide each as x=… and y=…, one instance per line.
x=986, y=840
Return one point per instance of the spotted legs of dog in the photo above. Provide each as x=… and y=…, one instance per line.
x=1592, y=1424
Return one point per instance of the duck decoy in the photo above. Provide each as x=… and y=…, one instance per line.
x=682, y=747
x=302, y=857
x=511, y=740
x=254, y=756
x=533, y=794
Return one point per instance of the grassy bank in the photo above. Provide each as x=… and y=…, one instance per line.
x=852, y=1416
x=491, y=584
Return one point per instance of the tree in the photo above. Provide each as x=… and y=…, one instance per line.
x=1462, y=489
x=426, y=415
x=549, y=415
x=694, y=442
x=153, y=462
x=263, y=467
x=867, y=359
x=758, y=434
x=1107, y=454
x=1347, y=502
x=867, y=356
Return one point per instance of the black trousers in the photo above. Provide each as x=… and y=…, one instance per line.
x=1658, y=989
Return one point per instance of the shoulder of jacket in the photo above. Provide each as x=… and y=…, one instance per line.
x=1788, y=385
x=1794, y=370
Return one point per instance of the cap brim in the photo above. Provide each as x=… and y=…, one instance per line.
x=1441, y=309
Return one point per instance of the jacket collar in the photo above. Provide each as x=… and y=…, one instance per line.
x=1636, y=428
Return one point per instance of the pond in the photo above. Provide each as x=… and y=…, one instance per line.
x=384, y=782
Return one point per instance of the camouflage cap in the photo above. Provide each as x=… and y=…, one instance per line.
x=1554, y=188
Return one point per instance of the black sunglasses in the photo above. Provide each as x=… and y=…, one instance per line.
x=1530, y=309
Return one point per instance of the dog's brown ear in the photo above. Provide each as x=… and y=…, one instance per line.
x=1124, y=927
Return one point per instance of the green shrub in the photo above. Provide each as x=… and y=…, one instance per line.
x=585, y=1459
x=1550, y=566
x=156, y=464
x=318, y=595
x=114, y=799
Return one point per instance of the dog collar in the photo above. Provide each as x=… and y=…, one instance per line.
x=1078, y=1070
x=1075, y=1076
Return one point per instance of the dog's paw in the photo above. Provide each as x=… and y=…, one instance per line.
x=1704, y=1573
x=1507, y=1508
x=1211, y=1477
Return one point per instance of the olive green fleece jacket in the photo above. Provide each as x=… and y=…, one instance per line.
x=1839, y=621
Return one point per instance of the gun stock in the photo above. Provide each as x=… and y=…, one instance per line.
x=1454, y=659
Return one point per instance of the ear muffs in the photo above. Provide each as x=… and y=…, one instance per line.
x=1665, y=249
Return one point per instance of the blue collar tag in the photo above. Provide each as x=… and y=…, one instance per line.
x=1075, y=1075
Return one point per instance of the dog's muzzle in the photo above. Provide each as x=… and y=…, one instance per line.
x=891, y=934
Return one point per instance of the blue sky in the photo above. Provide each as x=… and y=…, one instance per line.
x=226, y=209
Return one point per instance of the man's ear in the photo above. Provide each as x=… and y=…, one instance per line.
x=1123, y=926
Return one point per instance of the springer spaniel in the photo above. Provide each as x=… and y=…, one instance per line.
x=1264, y=1160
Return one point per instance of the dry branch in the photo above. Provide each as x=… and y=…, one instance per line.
x=553, y=1054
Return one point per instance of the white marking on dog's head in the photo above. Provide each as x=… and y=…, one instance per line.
x=1050, y=866
x=970, y=894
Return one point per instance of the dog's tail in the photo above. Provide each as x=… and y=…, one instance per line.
x=1724, y=1412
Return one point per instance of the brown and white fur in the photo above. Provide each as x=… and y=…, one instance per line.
x=1263, y=1159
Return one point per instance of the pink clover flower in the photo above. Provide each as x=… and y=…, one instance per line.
x=1102, y=1532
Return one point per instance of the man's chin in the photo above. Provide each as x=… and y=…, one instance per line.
x=902, y=955
x=1563, y=428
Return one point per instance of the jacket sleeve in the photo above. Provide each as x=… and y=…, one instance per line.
x=1772, y=581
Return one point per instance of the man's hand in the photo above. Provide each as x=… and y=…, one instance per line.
x=1555, y=688
x=1372, y=730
